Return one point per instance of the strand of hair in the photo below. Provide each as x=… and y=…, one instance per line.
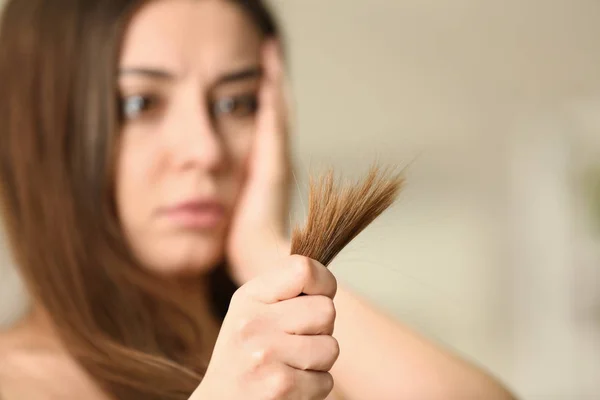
x=339, y=213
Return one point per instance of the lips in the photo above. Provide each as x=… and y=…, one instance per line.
x=196, y=214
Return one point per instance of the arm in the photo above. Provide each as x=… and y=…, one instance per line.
x=381, y=359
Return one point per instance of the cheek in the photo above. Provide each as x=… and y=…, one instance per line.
x=239, y=148
x=133, y=174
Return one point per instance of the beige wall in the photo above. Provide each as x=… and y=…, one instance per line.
x=497, y=103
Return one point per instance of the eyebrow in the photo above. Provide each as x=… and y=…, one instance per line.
x=149, y=72
x=242, y=74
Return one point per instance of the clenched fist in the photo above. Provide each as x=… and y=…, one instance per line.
x=275, y=342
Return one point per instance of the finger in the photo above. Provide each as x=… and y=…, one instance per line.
x=288, y=383
x=273, y=62
x=273, y=107
x=300, y=275
x=307, y=352
x=272, y=159
x=313, y=384
x=273, y=113
x=316, y=279
x=305, y=315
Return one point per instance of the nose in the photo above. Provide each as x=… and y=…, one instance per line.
x=195, y=143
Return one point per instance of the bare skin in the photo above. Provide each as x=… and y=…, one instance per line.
x=171, y=153
x=35, y=365
x=273, y=344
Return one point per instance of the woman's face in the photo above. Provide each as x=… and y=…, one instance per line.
x=189, y=80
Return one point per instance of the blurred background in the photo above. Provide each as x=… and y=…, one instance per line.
x=493, y=249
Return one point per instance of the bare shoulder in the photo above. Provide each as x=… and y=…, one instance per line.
x=10, y=364
x=22, y=365
x=29, y=369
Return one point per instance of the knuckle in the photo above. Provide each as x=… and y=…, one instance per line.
x=282, y=384
x=303, y=267
x=331, y=353
x=325, y=313
x=335, y=350
x=238, y=298
x=334, y=282
x=261, y=357
x=328, y=310
x=327, y=383
x=246, y=327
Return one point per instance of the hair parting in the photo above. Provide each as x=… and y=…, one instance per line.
x=338, y=213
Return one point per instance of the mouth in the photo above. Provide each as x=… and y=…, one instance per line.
x=196, y=214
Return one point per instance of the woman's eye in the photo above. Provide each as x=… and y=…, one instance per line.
x=133, y=106
x=239, y=106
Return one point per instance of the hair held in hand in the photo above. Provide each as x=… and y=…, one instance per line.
x=338, y=213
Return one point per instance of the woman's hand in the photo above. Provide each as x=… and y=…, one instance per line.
x=257, y=233
x=275, y=344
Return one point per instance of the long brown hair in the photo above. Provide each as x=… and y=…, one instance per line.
x=59, y=125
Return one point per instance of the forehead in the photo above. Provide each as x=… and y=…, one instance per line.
x=188, y=35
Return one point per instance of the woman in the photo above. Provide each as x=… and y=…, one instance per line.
x=144, y=171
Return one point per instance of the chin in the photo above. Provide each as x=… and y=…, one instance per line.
x=188, y=256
